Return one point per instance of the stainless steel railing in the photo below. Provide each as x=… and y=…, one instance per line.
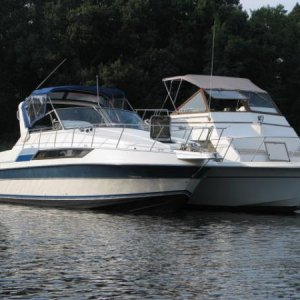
x=208, y=139
x=93, y=137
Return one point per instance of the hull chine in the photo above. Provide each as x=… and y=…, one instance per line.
x=137, y=202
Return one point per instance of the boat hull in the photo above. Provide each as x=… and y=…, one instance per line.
x=135, y=203
x=248, y=188
x=97, y=186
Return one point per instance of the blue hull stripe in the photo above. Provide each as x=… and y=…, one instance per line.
x=99, y=171
x=26, y=157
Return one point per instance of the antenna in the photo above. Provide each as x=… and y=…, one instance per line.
x=54, y=70
x=212, y=61
x=97, y=84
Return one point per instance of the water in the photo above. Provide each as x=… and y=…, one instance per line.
x=65, y=254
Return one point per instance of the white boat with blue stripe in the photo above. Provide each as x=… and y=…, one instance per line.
x=85, y=147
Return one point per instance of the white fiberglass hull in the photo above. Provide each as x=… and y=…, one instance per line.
x=96, y=186
x=260, y=186
x=92, y=193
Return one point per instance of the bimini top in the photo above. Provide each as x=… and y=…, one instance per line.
x=219, y=82
x=108, y=92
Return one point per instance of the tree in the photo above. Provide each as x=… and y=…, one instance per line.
x=133, y=44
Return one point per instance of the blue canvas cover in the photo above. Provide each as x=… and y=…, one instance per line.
x=105, y=91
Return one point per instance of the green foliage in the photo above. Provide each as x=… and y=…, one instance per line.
x=133, y=44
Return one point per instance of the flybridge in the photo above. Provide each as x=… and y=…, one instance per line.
x=219, y=94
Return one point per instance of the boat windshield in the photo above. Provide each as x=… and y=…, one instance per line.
x=119, y=103
x=76, y=106
x=222, y=100
x=124, y=117
x=73, y=117
x=35, y=107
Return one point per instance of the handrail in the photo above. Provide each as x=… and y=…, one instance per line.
x=220, y=145
x=55, y=137
x=73, y=133
x=70, y=138
x=220, y=136
x=227, y=148
x=257, y=149
x=40, y=138
x=187, y=139
x=120, y=137
x=94, y=131
x=155, y=140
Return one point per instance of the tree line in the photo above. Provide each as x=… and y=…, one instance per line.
x=133, y=44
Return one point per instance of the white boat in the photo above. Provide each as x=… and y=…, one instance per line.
x=258, y=152
x=84, y=147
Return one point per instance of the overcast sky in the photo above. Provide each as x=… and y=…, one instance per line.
x=255, y=4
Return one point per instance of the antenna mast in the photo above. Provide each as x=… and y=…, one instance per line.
x=54, y=70
x=97, y=83
x=212, y=60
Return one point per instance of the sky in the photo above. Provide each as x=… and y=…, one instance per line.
x=255, y=4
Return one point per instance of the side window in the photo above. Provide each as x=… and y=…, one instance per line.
x=195, y=104
x=261, y=102
x=61, y=153
x=44, y=123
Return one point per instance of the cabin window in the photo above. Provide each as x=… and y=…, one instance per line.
x=195, y=104
x=261, y=102
x=61, y=153
x=44, y=123
x=228, y=105
x=228, y=101
x=222, y=94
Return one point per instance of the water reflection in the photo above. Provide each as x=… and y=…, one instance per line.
x=86, y=255
x=4, y=243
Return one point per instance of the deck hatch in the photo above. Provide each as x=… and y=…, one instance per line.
x=277, y=151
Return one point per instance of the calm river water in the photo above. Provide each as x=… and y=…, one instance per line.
x=65, y=254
